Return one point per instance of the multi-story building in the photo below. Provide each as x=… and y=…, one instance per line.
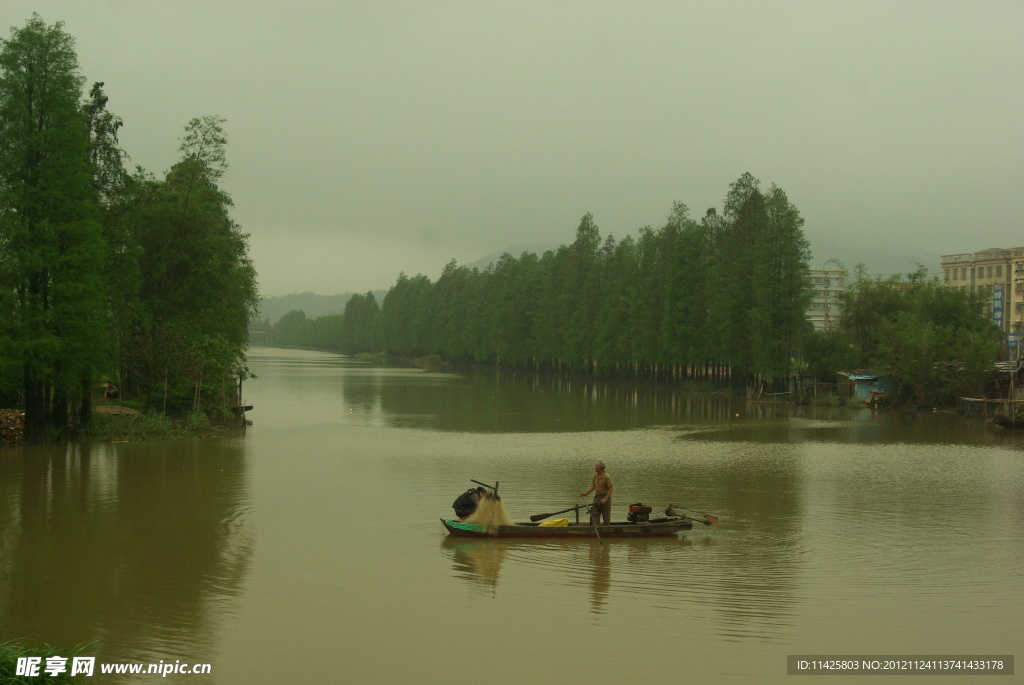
x=999, y=271
x=825, y=308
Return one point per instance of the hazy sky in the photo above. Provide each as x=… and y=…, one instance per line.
x=371, y=138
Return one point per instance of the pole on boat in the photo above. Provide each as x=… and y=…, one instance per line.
x=492, y=487
x=593, y=522
x=708, y=518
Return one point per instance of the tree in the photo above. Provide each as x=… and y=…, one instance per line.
x=51, y=246
x=292, y=329
x=735, y=272
x=729, y=292
x=358, y=324
x=196, y=277
x=111, y=183
x=935, y=342
x=781, y=290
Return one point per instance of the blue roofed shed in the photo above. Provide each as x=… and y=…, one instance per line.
x=870, y=387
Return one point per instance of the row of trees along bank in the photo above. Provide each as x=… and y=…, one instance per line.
x=936, y=343
x=721, y=297
x=107, y=275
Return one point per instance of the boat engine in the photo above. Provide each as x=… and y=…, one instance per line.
x=639, y=513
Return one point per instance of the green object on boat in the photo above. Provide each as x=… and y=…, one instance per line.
x=462, y=525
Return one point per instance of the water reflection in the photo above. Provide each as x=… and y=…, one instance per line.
x=750, y=584
x=858, y=426
x=476, y=561
x=130, y=545
x=600, y=569
x=507, y=401
x=510, y=402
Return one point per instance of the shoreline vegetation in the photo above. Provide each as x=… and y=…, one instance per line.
x=117, y=423
x=110, y=276
x=721, y=300
x=12, y=650
x=721, y=297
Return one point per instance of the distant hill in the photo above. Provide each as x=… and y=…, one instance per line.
x=312, y=305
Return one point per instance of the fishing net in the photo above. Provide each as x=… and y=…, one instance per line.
x=490, y=513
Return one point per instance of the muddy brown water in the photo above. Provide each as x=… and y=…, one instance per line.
x=310, y=549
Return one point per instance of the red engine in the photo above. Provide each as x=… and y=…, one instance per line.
x=638, y=513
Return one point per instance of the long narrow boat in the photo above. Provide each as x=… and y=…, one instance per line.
x=622, y=529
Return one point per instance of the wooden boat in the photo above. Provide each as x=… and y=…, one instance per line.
x=622, y=529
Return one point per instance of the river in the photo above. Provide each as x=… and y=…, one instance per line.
x=309, y=549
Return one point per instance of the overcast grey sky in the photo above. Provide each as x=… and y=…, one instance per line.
x=376, y=137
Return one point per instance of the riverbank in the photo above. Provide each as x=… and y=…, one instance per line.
x=114, y=422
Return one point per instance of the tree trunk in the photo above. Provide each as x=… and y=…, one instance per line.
x=35, y=409
x=85, y=409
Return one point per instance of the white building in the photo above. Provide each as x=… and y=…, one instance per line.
x=998, y=271
x=825, y=309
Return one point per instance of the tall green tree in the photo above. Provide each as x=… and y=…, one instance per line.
x=111, y=183
x=51, y=247
x=728, y=292
x=736, y=257
x=358, y=324
x=781, y=290
x=196, y=277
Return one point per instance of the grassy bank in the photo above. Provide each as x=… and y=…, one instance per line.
x=133, y=427
x=119, y=423
x=11, y=651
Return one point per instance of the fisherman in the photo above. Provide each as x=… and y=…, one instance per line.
x=602, y=489
x=465, y=504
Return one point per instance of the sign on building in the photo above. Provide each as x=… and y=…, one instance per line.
x=997, y=305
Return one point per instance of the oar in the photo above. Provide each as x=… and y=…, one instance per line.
x=709, y=518
x=538, y=517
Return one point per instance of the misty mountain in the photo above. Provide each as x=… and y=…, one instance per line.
x=313, y=305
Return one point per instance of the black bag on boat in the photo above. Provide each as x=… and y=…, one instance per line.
x=464, y=502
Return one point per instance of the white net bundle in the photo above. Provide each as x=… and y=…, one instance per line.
x=490, y=512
